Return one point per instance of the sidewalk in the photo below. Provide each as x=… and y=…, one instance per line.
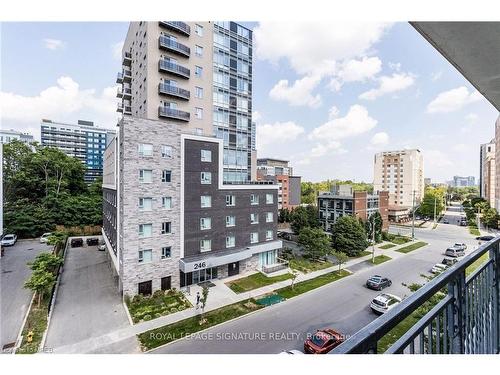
x=219, y=296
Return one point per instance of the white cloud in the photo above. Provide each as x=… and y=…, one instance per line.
x=298, y=94
x=389, y=85
x=435, y=160
x=116, y=48
x=380, y=139
x=277, y=133
x=435, y=76
x=333, y=112
x=256, y=116
x=395, y=66
x=53, y=44
x=356, y=71
x=453, y=100
x=472, y=118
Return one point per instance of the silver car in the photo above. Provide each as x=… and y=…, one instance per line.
x=454, y=252
x=9, y=240
x=384, y=302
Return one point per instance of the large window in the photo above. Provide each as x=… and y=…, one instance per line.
x=166, y=176
x=230, y=221
x=206, y=201
x=145, y=230
x=166, y=202
x=145, y=256
x=145, y=149
x=205, y=223
x=146, y=176
x=206, y=178
x=254, y=237
x=254, y=218
x=166, y=227
x=166, y=151
x=230, y=200
x=230, y=241
x=206, y=155
x=269, y=198
x=205, y=245
x=269, y=217
x=145, y=204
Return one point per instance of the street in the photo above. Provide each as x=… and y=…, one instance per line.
x=342, y=305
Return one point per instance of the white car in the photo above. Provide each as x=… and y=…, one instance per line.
x=292, y=351
x=384, y=302
x=460, y=245
x=45, y=237
x=9, y=240
x=438, y=268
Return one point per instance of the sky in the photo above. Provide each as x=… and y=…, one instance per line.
x=326, y=96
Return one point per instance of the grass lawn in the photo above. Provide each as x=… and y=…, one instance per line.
x=36, y=322
x=399, y=240
x=362, y=254
x=163, y=335
x=255, y=281
x=143, y=308
x=477, y=263
x=413, y=246
x=305, y=286
x=387, y=246
x=381, y=259
x=474, y=231
x=305, y=265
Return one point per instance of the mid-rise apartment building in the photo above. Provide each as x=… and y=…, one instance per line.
x=279, y=172
x=197, y=75
x=487, y=171
x=83, y=140
x=463, y=181
x=497, y=165
x=7, y=136
x=170, y=219
x=401, y=173
x=343, y=201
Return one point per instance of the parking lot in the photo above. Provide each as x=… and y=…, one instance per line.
x=88, y=303
x=15, y=299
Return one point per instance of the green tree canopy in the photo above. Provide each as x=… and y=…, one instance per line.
x=40, y=282
x=316, y=243
x=349, y=236
x=303, y=217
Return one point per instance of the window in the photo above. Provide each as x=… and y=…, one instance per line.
x=166, y=176
x=205, y=223
x=166, y=283
x=269, y=217
x=146, y=176
x=269, y=235
x=145, y=149
x=166, y=252
x=269, y=198
x=206, y=178
x=198, y=112
x=166, y=202
x=145, y=256
x=198, y=30
x=199, y=51
x=198, y=131
x=166, y=151
x=254, y=199
x=230, y=241
x=206, y=201
x=198, y=71
x=230, y=200
x=205, y=245
x=145, y=230
x=230, y=221
x=198, y=92
x=254, y=218
x=166, y=227
x=254, y=237
x=145, y=204
x=206, y=155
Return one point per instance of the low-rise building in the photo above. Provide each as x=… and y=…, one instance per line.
x=7, y=136
x=280, y=173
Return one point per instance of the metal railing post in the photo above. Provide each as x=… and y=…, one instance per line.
x=457, y=315
x=495, y=324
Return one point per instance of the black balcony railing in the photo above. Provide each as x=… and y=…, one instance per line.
x=170, y=67
x=179, y=26
x=127, y=59
x=462, y=315
x=170, y=44
x=173, y=113
x=166, y=89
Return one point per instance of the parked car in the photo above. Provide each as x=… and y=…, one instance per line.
x=485, y=238
x=102, y=246
x=454, y=252
x=384, y=302
x=446, y=221
x=463, y=223
x=323, y=341
x=77, y=242
x=45, y=237
x=377, y=282
x=449, y=261
x=438, y=268
x=460, y=245
x=292, y=351
x=9, y=240
x=94, y=241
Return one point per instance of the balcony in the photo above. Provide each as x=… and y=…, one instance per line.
x=127, y=75
x=127, y=59
x=174, y=91
x=172, y=113
x=170, y=44
x=170, y=67
x=127, y=110
x=119, y=108
x=464, y=319
x=280, y=265
x=126, y=93
x=178, y=26
x=119, y=78
x=119, y=93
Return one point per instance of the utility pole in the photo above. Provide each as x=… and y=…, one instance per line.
x=372, y=227
x=435, y=201
x=413, y=217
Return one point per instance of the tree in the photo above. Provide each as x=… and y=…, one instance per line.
x=294, y=274
x=316, y=243
x=490, y=218
x=340, y=258
x=349, y=236
x=284, y=215
x=303, y=217
x=203, y=301
x=432, y=196
x=46, y=262
x=40, y=282
x=374, y=221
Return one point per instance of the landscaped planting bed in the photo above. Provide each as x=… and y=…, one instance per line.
x=387, y=246
x=143, y=308
x=413, y=246
x=362, y=254
x=255, y=281
x=36, y=323
x=381, y=259
x=305, y=286
x=305, y=265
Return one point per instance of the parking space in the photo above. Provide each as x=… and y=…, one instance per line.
x=88, y=303
x=15, y=299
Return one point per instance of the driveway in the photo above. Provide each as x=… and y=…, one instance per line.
x=88, y=303
x=15, y=299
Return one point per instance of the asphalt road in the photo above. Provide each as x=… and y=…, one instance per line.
x=342, y=305
x=15, y=299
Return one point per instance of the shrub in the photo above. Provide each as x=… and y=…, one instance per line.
x=138, y=298
x=173, y=310
x=157, y=315
x=146, y=317
x=158, y=293
x=126, y=298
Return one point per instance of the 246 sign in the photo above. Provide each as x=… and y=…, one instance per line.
x=199, y=266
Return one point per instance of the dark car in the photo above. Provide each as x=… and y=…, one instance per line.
x=92, y=241
x=323, y=341
x=449, y=261
x=377, y=282
x=446, y=221
x=77, y=242
x=485, y=238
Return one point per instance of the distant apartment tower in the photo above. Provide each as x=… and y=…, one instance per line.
x=427, y=181
x=401, y=173
x=487, y=172
x=83, y=141
x=467, y=181
x=7, y=136
x=343, y=201
x=279, y=172
x=197, y=75
x=497, y=165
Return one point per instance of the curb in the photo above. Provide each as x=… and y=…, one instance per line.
x=19, y=335
x=127, y=312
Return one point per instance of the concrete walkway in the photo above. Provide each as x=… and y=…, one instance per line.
x=219, y=296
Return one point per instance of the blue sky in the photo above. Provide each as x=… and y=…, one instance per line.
x=327, y=104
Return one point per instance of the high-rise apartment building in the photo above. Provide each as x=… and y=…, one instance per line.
x=497, y=165
x=7, y=136
x=83, y=141
x=197, y=75
x=279, y=172
x=487, y=172
x=401, y=173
